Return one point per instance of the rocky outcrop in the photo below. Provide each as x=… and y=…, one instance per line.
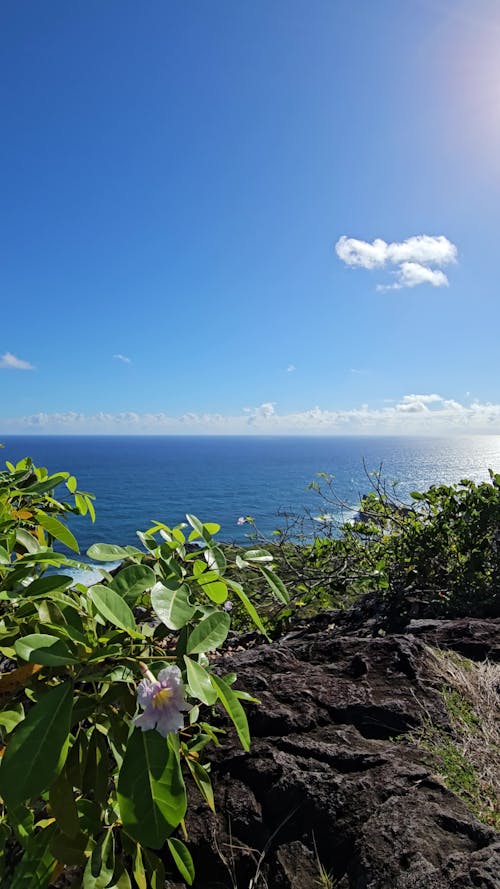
x=333, y=777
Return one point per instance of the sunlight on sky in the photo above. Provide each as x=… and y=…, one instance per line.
x=470, y=60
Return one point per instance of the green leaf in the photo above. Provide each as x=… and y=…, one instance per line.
x=90, y=506
x=210, y=633
x=28, y=541
x=21, y=819
x=233, y=708
x=196, y=526
x=56, y=529
x=199, y=682
x=258, y=555
x=151, y=792
x=278, y=587
x=36, y=867
x=216, y=590
x=147, y=541
x=106, y=552
x=42, y=648
x=133, y=580
x=72, y=484
x=48, y=484
x=121, y=879
x=81, y=503
x=63, y=806
x=203, y=782
x=69, y=850
x=138, y=869
x=180, y=854
x=251, y=610
x=37, y=750
x=112, y=607
x=97, y=767
x=10, y=718
x=212, y=527
x=101, y=864
x=43, y=585
x=216, y=559
x=155, y=869
x=173, y=607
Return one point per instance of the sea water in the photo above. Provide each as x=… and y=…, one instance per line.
x=141, y=479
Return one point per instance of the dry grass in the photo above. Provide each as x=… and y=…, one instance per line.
x=469, y=754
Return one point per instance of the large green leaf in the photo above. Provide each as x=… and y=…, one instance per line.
x=43, y=585
x=151, y=792
x=37, y=749
x=209, y=633
x=173, y=607
x=233, y=708
x=56, y=529
x=48, y=484
x=106, y=552
x=42, y=648
x=133, y=580
x=199, y=682
x=112, y=607
x=213, y=587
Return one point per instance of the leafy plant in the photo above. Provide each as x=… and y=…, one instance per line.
x=437, y=554
x=85, y=778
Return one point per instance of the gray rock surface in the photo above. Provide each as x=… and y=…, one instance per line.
x=331, y=777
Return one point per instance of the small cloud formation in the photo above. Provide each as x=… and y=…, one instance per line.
x=413, y=259
x=417, y=404
x=290, y=369
x=124, y=358
x=412, y=273
x=8, y=361
x=256, y=415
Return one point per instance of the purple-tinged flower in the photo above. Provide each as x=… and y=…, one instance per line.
x=241, y=520
x=162, y=700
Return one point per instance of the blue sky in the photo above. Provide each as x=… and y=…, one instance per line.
x=175, y=178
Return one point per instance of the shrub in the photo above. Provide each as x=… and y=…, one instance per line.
x=83, y=780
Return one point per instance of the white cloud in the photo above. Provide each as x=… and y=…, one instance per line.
x=124, y=358
x=410, y=274
x=11, y=362
x=412, y=259
x=423, y=249
x=413, y=414
x=291, y=368
x=361, y=253
x=424, y=399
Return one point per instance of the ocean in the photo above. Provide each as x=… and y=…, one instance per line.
x=139, y=479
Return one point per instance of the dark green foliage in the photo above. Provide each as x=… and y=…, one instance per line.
x=436, y=556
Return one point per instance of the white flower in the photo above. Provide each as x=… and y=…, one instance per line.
x=162, y=700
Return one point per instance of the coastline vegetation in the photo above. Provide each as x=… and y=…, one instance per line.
x=87, y=779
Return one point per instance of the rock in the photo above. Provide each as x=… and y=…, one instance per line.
x=331, y=777
x=472, y=637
